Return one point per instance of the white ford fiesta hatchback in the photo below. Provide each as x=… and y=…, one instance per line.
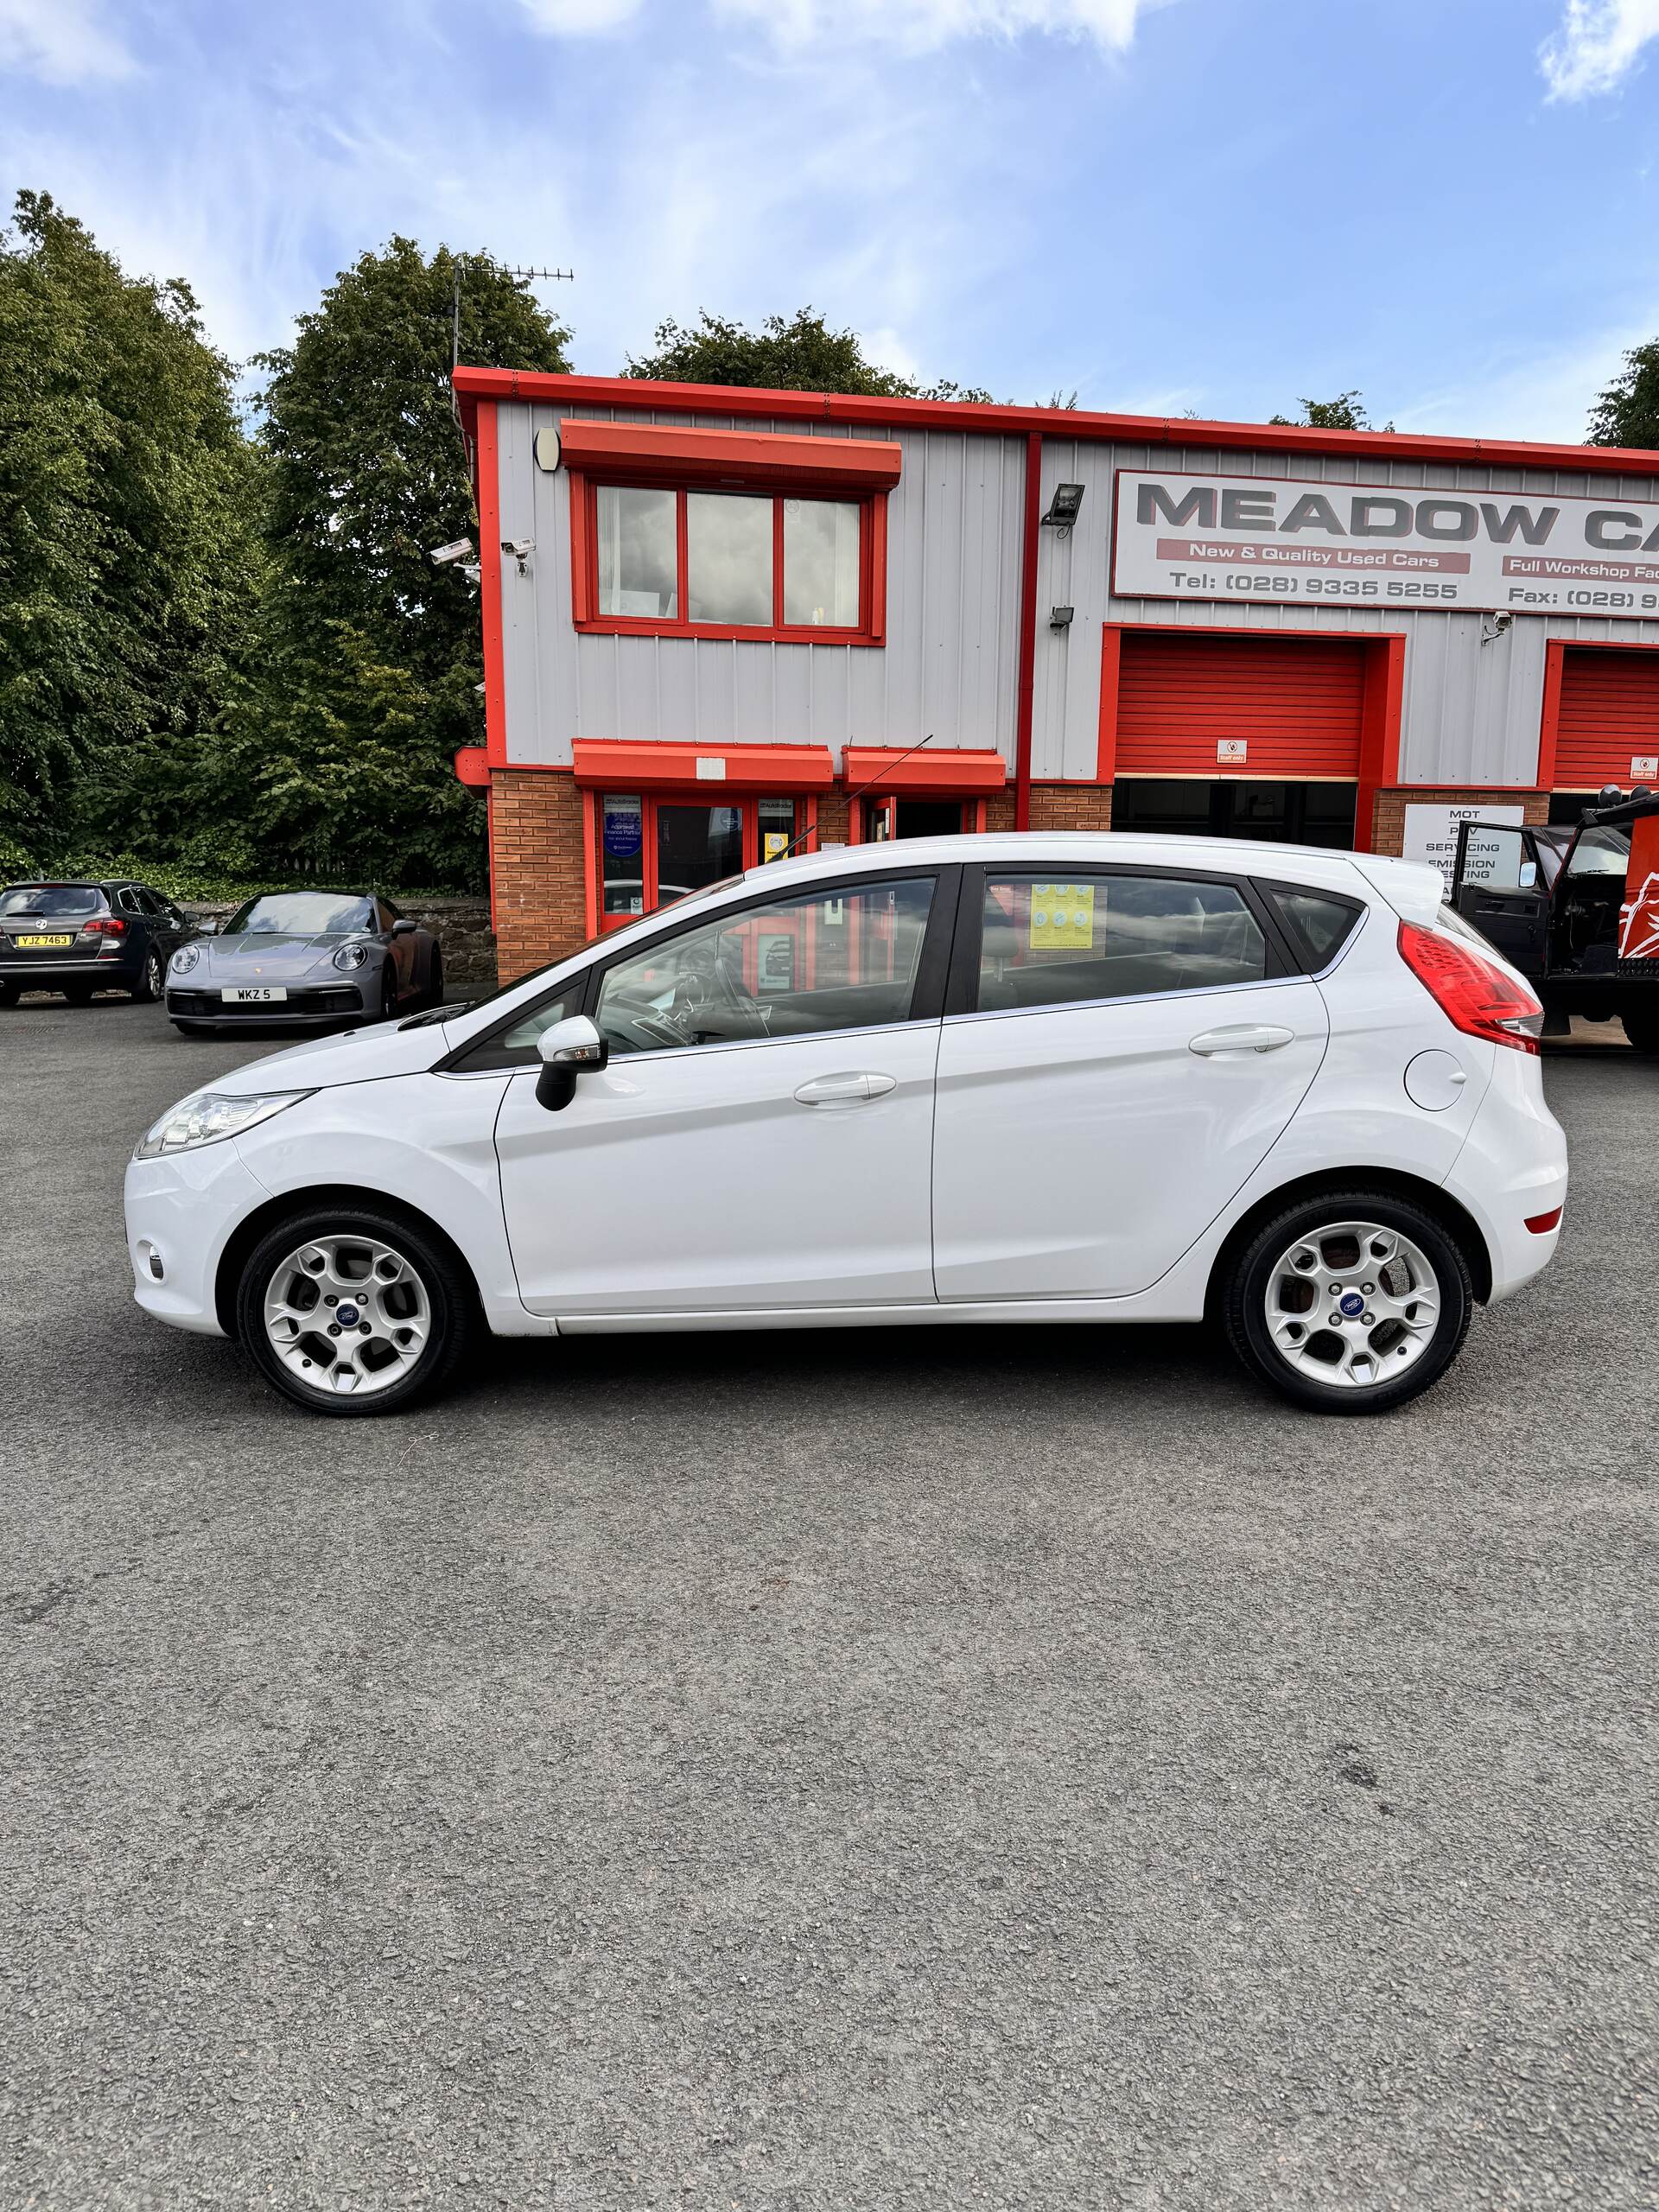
x=991, y=1078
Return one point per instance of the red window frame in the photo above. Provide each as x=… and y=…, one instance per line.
x=870, y=629
x=601, y=923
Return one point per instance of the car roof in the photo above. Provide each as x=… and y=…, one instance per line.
x=1311, y=864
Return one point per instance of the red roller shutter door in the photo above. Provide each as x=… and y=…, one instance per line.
x=1609, y=716
x=1296, y=702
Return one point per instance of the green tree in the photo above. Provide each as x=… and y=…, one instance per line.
x=129, y=566
x=799, y=354
x=1346, y=412
x=1627, y=412
x=338, y=750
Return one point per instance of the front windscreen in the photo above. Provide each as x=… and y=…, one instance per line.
x=51, y=898
x=302, y=913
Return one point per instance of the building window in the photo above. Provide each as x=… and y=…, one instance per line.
x=729, y=563
x=649, y=852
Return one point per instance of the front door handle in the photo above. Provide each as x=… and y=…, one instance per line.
x=845, y=1089
x=1243, y=1037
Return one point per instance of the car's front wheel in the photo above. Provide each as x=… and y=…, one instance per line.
x=354, y=1312
x=9, y=994
x=1642, y=1027
x=1351, y=1304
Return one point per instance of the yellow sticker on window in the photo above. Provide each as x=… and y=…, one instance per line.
x=774, y=843
x=1062, y=917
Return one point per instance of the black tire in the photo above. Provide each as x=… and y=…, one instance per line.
x=388, y=994
x=456, y=1319
x=1642, y=1027
x=435, y=981
x=10, y=993
x=195, y=1028
x=1245, y=1290
x=78, y=994
x=147, y=988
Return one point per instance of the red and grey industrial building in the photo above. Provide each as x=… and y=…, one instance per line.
x=721, y=622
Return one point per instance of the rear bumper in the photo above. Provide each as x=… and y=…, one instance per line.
x=1513, y=1169
x=50, y=973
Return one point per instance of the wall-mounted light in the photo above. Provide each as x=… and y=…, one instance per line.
x=1059, y=618
x=546, y=448
x=1063, y=504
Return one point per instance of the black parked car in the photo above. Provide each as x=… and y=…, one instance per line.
x=82, y=937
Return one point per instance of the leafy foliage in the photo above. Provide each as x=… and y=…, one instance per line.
x=1346, y=412
x=338, y=750
x=129, y=564
x=1627, y=412
x=801, y=354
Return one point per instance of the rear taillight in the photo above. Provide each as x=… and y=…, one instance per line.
x=104, y=926
x=1474, y=994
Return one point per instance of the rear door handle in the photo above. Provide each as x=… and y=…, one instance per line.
x=1243, y=1037
x=845, y=1089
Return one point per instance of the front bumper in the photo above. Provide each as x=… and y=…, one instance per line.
x=180, y=1212
x=306, y=1002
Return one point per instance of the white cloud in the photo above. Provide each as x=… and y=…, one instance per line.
x=1598, y=45
x=61, y=41
x=923, y=25
x=580, y=18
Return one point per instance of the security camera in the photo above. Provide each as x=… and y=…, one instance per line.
x=457, y=549
x=1503, y=621
x=519, y=547
x=471, y=570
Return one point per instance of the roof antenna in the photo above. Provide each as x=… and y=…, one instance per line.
x=812, y=830
x=518, y=277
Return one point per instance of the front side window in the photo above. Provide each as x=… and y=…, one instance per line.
x=729, y=560
x=1112, y=936
x=803, y=966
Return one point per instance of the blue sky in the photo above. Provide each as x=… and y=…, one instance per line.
x=1170, y=204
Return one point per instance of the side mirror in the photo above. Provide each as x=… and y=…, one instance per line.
x=569, y=1049
x=209, y=925
x=405, y=927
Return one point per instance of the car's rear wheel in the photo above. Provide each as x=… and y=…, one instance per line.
x=147, y=988
x=1642, y=1027
x=354, y=1312
x=1351, y=1304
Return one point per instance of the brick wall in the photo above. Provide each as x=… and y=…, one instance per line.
x=1389, y=813
x=1070, y=806
x=541, y=910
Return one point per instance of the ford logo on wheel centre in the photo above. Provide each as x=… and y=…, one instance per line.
x=1352, y=1304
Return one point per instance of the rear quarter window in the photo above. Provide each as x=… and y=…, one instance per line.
x=1319, y=922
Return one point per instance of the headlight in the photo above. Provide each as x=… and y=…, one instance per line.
x=208, y=1116
x=351, y=955
x=186, y=958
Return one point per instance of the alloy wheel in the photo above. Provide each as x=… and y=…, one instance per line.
x=347, y=1316
x=1352, y=1305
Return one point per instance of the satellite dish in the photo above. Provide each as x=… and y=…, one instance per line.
x=547, y=449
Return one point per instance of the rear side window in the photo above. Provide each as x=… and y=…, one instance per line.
x=1321, y=925
x=1112, y=936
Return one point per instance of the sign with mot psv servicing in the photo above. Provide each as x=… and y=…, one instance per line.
x=1262, y=537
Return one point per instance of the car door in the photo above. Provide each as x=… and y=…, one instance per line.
x=1499, y=886
x=1120, y=1053
x=762, y=1135
x=166, y=933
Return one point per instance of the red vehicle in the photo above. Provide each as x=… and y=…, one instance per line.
x=1576, y=910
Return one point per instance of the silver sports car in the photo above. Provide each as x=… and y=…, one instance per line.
x=304, y=956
